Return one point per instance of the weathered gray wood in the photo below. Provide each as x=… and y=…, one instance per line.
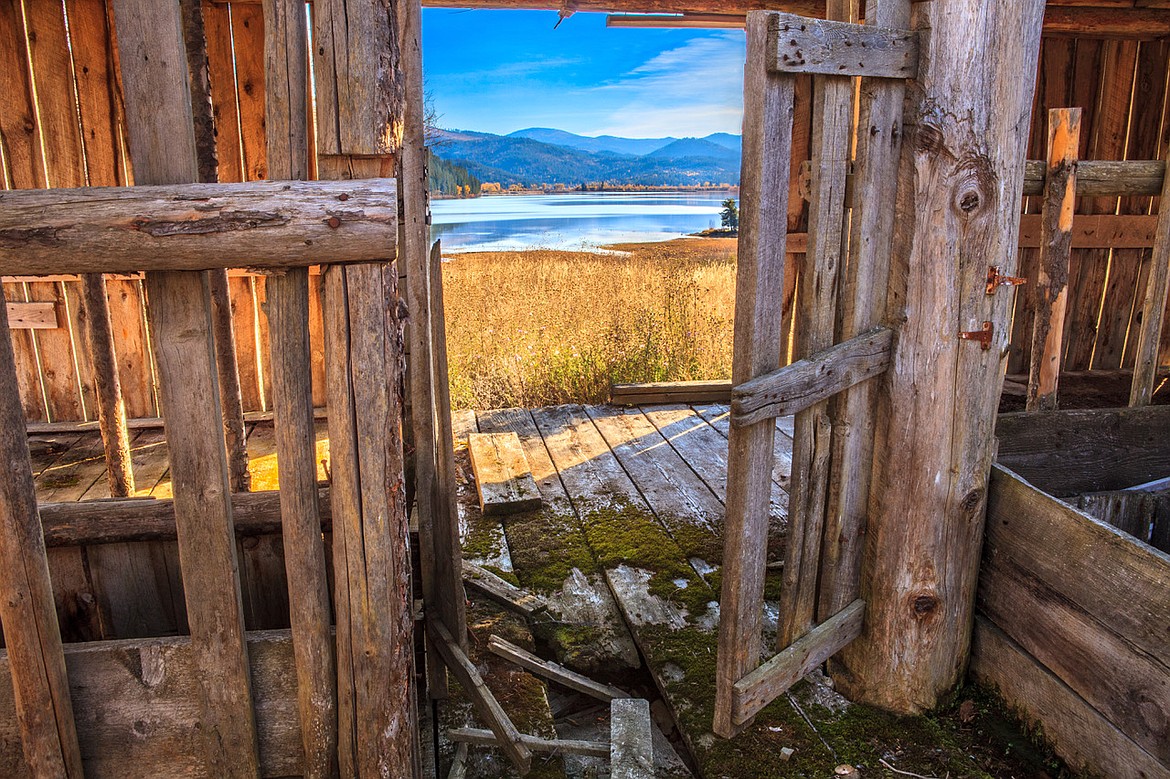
x=99, y=339
x=957, y=212
x=553, y=671
x=790, y=665
x=1051, y=293
x=162, y=147
x=287, y=117
x=358, y=77
x=1083, y=738
x=863, y=285
x=230, y=395
x=503, y=593
x=43, y=710
x=503, y=479
x=196, y=226
x=375, y=659
x=1070, y=452
x=485, y=738
x=508, y=738
x=138, y=715
x=119, y=520
x=1153, y=309
x=1033, y=536
x=798, y=44
x=631, y=739
x=1104, y=177
x=768, y=108
x=813, y=379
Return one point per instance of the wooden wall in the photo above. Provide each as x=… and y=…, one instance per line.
x=61, y=125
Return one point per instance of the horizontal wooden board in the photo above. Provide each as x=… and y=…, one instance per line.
x=670, y=392
x=1097, y=231
x=798, y=44
x=32, y=316
x=136, y=704
x=502, y=476
x=197, y=226
x=1028, y=590
x=1104, y=177
x=1071, y=452
x=1087, y=741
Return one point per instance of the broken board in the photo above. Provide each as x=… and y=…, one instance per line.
x=502, y=476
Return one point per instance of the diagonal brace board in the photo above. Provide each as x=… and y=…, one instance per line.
x=772, y=679
x=807, y=382
x=798, y=44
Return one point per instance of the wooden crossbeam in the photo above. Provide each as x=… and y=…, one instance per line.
x=809, y=381
x=762, y=686
x=1093, y=231
x=486, y=738
x=32, y=316
x=197, y=226
x=671, y=392
x=506, y=736
x=799, y=44
x=553, y=671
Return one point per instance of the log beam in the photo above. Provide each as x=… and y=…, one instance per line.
x=196, y=226
x=957, y=212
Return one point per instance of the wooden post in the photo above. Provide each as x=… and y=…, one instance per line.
x=957, y=212
x=162, y=147
x=99, y=338
x=768, y=108
x=31, y=633
x=1145, y=366
x=815, y=325
x=1051, y=294
x=287, y=127
x=863, y=299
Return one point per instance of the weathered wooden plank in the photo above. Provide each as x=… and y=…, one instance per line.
x=1051, y=292
x=508, y=738
x=1070, y=452
x=503, y=479
x=162, y=146
x=503, y=593
x=553, y=671
x=768, y=108
x=1080, y=735
x=197, y=226
x=1095, y=231
x=486, y=738
x=1104, y=177
x=43, y=708
x=812, y=379
x=670, y=392
x=836, y=47
x=790, y=665
x=631, y=741
x=247, y=26
x=137, y=715
x=32, y=316
x=937, y=404
x=1146, y=358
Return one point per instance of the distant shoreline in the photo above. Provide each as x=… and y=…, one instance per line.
x=731, y=189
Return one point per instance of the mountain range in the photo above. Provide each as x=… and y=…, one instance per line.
x=546, y=156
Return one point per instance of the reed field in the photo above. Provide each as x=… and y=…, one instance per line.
x=541, y=327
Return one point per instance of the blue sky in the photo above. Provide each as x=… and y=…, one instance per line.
x=501, y=71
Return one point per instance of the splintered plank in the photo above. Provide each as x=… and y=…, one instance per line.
x=502, y=476
x=631, y=741
x=480, y=536
x=551, y=556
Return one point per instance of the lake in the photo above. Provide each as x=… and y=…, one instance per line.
x=572, y=221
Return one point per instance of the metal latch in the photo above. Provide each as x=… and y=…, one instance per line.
x=983, y=336
x=994, y=280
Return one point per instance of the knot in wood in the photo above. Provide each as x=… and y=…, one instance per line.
x=971, y=501
x=924, y=606
x=928, y=139
x=974, y=185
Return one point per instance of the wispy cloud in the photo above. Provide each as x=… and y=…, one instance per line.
x=697, y=86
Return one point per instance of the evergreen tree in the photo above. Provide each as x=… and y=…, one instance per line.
x=730, y=214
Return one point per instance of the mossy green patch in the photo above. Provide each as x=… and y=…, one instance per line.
x=484, y=539
x=546, y=546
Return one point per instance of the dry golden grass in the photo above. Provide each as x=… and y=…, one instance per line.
x=541, y=327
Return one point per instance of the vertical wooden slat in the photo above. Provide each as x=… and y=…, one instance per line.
x=287, y=126
x=243, y=302
x=957, y=212
x=815, y=330
x=31, y=633
x=162, y=144
x=797, y=207
x=1145, y=367
x=768, y=110
x=1051, y=294
x=221, y=71
x=864, y=282
x=248, y=37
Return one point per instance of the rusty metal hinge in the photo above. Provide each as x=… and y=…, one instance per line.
x=995, y=280
x=983, y=336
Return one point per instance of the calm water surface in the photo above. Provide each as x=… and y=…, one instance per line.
x=582, y=220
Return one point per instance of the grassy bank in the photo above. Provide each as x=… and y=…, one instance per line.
x=542, y=327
